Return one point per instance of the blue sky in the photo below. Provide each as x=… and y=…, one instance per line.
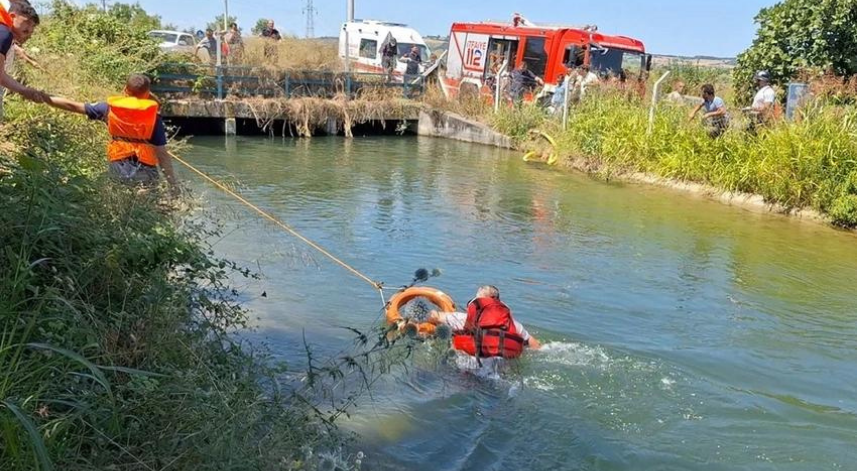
x=689, y=27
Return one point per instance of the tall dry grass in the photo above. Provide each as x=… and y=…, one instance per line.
x=291, y=54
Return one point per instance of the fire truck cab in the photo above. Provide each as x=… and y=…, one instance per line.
x=477, y=52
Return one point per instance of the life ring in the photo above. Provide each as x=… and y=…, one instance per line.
x=435, y=296
x=553, y=158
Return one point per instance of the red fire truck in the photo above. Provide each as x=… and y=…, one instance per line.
x=477, y=52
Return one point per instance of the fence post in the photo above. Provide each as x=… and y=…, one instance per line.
x=219, y=82
x=655, y=96
x=218, y=69
x=348, y=85
x=565, y=84
x=498, y=85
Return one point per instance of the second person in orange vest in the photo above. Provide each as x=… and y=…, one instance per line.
x=138, y=137
x=18, y=20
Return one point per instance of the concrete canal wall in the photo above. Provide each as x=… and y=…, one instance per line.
x=328, y=117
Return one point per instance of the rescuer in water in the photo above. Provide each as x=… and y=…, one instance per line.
x=487, y=331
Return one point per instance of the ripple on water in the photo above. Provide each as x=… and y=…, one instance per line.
x=737, y=331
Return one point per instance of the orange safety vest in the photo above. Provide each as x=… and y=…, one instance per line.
x=489, y=331
x=131, y=123
x=5, y=17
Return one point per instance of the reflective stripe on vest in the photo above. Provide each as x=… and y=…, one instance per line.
x=131, y=123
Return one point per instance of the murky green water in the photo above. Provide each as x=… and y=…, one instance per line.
x=681, y=333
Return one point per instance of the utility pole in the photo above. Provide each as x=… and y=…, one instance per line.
x=225, y=15
x=309, y=10
x=349, y=17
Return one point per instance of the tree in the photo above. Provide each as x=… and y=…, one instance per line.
x=135, y=16
x=217, y=24
x=260, y=26
x=796, y=35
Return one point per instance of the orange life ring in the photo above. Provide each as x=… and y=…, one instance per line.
x=435, y=296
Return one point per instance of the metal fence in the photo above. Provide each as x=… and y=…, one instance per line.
x=183, y=80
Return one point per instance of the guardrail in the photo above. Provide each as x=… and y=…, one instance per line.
x=247, y=82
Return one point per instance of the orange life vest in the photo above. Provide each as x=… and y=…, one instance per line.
x=131, y=123
x=489, y=331
x=5, y=17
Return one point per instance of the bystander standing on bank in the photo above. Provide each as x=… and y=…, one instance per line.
x=716, y=117
x=209, y=43
x=234, y=44
x=271, y=36
x=18, y=20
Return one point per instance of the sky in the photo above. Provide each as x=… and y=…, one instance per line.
x=679, y=27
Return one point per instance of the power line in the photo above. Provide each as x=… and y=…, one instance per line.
x=310, y=12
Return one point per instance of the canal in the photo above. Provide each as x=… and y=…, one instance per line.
x=680, y=333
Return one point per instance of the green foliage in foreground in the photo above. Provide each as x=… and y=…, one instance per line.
x=114, y=321
x=801, y=34
x=808, y=163
x=106, y=45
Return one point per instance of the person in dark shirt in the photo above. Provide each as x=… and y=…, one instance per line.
x=24, y=20
x=413, y=60
x=270, y=32
x=522, y=81
x=389, y=51
x=130, y=170
x=272, y=35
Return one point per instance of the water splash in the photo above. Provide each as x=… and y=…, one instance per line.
x=573, y=354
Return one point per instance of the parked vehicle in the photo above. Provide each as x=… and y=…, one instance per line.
x=477, y=52
x=174, y=41
x=364, y=41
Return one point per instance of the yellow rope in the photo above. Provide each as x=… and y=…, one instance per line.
x=375, y=284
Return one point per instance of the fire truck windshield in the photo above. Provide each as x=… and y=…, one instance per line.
x=405, y=48
x=613, y=61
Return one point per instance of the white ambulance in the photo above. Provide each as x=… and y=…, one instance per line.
x=365, y=39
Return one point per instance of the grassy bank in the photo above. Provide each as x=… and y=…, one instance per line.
x=115, y=317
x=809, y=163
x=114, y=327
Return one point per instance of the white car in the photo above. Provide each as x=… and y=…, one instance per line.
x=174, y=41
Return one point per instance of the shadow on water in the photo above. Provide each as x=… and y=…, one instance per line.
x=683, y=334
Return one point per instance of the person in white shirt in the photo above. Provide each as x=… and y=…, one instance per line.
x=585, y=79
x=766, y=96
x=764, y=102
x=677, y=94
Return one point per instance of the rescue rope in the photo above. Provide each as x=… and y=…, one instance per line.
x=375, y=284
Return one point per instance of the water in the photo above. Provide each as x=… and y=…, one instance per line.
x=680, y=333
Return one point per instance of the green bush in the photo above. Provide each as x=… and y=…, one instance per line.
x=104, y=45
x=114, y=328
x=801, y=34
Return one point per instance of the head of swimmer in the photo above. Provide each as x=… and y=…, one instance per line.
x=488, y=291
